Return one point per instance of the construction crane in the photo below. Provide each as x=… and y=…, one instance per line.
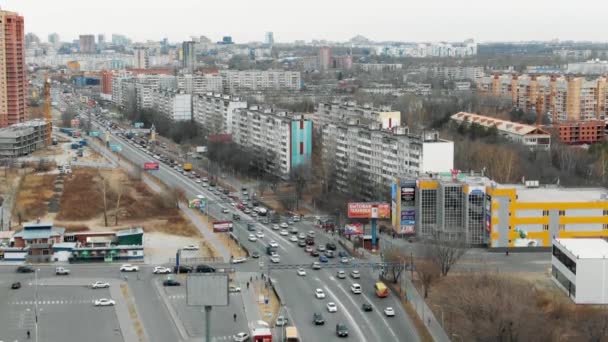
x=47, y=109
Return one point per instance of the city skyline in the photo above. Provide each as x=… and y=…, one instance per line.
x=318, y=20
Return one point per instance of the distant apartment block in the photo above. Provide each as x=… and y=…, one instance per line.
x=141, y=58
x=87, y=43
x=425, y=50
x=581, y=132
x=364, y=160
x=455, y=72
x=377, y=67
x=234, y=80
x=592, y=67
x=535, y=138
x=177, y=106
x=200, y=84
x=23, y=138
x=338, y=112
x=216, y=112
x=13, y=82
x=324, y=58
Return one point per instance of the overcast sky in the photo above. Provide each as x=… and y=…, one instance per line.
x=339, y=20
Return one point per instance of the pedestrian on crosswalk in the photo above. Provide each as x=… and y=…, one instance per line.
x=247, y=285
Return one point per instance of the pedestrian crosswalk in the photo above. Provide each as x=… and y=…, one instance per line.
x=183, y=296
x=53, y=302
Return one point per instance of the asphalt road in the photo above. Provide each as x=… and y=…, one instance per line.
x=298, y=293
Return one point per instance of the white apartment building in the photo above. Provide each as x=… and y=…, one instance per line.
x=377, y=67
x=175, y=105
x=216, y=112
x=141, y=58
x=141, y=87
x=200, y=84
x=456, y=72
x=342, y=112
x=364, y=160
x=234, y=80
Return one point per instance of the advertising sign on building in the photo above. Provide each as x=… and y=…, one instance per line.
x=488, y=213
x=407, y=208
x=369, y=210
x=222, y=226
x=149, y=166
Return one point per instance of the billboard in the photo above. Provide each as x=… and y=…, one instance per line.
x=488, y=213
x=408, y=195
x=369, y=210
x=353, y=229
x=151, y=166
x=115, y=148
x=138, y=124
x=222, y=226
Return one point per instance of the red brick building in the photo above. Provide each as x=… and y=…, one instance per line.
x=581, y=132
x=13, y=84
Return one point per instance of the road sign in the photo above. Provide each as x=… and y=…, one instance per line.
x=151, y=166
x=115, y=148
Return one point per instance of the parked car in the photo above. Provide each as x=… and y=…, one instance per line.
x=16, y=285
x=191, y=247
x=183, y=269
x=171, y=282
x=161, y=270
x=204, y=269
x=25, y=269
x=323, y=258
x=241, y=337
x=238, y=260
x=129, y=268
x=234, y=289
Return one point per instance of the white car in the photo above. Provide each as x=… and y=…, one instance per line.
x=355, y=288
x=293, y=238
x=284, y=225
x=316, y=265
x=281, y=321
x=284, y=232
x=252, y=238
x=275, y=258
x=198, y=180
x=259, y=234
x=388, y=311
x=238, y=260
x=273, y=244
x=345, y=260
x=341, y=274
x=100, y=285
x=319, y=294
x=332, y=307
x=355, y=274
x=190, y=248
x=275, y=227
x=225, y=211
x=129, y=268
x=234, y=289
x=104, y=302
x=161, y=270
x=233, y=204
x=308, y=249
x=301, y=272
x=241, y=337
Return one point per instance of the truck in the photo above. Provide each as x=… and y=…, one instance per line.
x=271, y=250
x=62, y=271
x=187, y=167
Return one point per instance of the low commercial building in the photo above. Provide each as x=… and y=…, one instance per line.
x=580, y=268
x=24, y=138
x=38, y=238
x=530, y=136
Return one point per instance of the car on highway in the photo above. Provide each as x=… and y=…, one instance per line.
x=252, y=238
x=16, y=285
x=204, y=269
x=318, y=319
x=236, y=217
x=241, y=337
x=355, y=274
x=275, y=258
x=342, y=254
x=355, y=288
x=344, y=260
x=281, y=321
x=275, y=227
x=284, y=225
x=316, y=265
x=62, y=271
x=104, y=302
x=310, y=234
x=296, y=218
x=293, y=238
x=301, y=272
x=273, y=244
x=341, y=274
x=247, y=211
x=100, y=285
x=183, y=269
x=367, y=307
x=25, y=269
x=308, y=249
x=321, y=248
x=320, y=294
x=198, y=180
x=284, y=232
x=238, y=260
x=225, y=211
x=329, y=253
x=259, y=234
x=301, y=243
x=330, y=246
x=129, y=268
x=255, y=254
x=191, y=247
x=161, y=270
x=389, y=312
x=171, y=282
x=250, y=227
x=289, y=221
x=234, y=289
x=301, y=236
x=332, y=307
x=341, y=330
x=323, y=258
x=293, y=230
x=314, y=253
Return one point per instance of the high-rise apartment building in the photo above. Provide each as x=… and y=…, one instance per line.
x=54, y=40
x=269, y=38
x=141, y=58
x=87, y=43
x=188, y=56
x=106, y=82
x=101, y=41
x=235, y=80
x=13, y=83
x=342, y=112
x=324, y=58
x=216, y=112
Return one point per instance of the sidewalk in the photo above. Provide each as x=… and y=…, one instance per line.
x=207, y=233
x=249, y=298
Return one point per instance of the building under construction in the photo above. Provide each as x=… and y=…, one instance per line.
x=24, y=138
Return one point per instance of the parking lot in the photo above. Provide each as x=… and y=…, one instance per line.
x=65, y=313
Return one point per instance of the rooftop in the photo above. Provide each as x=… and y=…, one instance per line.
x=501, y=125
x=554, y=193
x=585, y=248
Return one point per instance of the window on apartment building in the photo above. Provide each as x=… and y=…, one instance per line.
x=562, y=213
x=545, y=212
x=605, y=212
x=545, y=227
x=301, y=148
x=562, y=227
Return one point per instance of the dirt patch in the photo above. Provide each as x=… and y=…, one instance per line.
x=270, y=311
x=33, y=195
x=422, y=330
x=139, y=329
x=73, y=228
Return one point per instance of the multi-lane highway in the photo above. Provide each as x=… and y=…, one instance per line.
x=298, y=291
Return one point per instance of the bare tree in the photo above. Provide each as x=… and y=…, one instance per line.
x=104, y=192
x=300, y=177
x=427, y=272
x=396, y=258
x=444, y=252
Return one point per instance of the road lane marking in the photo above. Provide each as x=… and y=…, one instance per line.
x=352, y=320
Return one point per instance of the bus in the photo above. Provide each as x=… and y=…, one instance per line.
x=381, y=289
x=291, y=334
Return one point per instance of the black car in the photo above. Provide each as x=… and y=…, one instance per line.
x=25, y=269
x=255, y=254
x=314, y=253
x=16, y=285
x=251, y=227
x=204, y=269
x=171, y=282
x=236, y=217
x=183, y=269
x=366, y=307
x=331, y=246
x=341, y=330
x=318, y=319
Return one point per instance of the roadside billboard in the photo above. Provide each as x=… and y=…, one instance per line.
x=149, y=166
x=115, y=148
x=222, y=226
x=369, y=210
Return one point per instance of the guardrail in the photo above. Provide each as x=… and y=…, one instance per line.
x=197, y=260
